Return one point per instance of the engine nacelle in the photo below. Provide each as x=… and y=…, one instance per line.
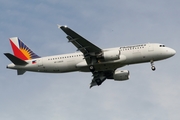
x=111, y=55
x=121, y=75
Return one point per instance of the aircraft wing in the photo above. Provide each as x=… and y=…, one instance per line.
x=90, y=52
x=100, y=76
x=87, y=48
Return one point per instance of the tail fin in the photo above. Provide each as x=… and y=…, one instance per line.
x=21, y=50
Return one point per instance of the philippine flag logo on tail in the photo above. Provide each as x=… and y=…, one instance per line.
x=21, y=50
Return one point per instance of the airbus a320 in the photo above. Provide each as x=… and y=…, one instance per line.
x=102, y=63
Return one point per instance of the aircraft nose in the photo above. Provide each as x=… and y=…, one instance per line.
x=171, y=52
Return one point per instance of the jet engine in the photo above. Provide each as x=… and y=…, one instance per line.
x=111, y=55
x=121, y=75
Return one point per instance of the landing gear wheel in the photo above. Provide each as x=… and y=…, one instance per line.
x=152, y=65
x=153, y=68
x=91, y=68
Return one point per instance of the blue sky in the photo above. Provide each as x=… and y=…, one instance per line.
x=110, y=23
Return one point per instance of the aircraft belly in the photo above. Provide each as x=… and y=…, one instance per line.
x=110, y=66
x=103, y=67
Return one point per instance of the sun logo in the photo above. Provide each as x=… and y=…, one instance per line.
x=26, y=53
x=25, y=50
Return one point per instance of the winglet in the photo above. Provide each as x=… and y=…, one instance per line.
x=60, y=26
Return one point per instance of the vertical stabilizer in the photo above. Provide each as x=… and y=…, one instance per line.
x=21, y=50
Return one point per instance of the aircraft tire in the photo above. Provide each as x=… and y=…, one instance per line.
x=153, y=68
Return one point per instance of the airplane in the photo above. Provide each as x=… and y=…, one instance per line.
x=102, y=63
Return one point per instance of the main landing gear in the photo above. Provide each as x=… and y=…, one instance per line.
x=152, y=65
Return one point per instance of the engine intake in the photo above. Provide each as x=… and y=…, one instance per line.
x=121, y=75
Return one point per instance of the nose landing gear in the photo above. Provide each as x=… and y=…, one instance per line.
x=153, y=68
x=152, y=65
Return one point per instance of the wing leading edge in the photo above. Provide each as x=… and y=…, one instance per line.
x=81, y=43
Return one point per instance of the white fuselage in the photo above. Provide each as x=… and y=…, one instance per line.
x=76, y=62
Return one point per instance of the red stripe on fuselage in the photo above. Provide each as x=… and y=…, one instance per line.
x=17, y=51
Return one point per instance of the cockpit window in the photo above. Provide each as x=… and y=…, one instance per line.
x=161, y=45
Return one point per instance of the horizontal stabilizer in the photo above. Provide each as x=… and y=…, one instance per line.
x=20, y=72
x=15, y=60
